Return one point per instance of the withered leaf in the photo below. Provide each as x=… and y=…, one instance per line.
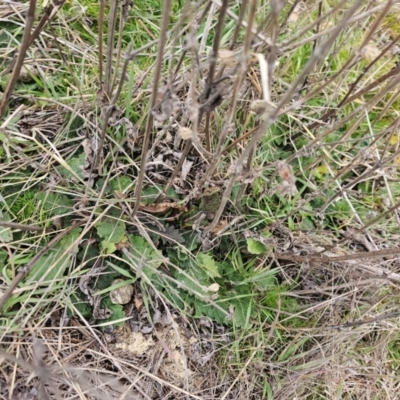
x=161, y=207
x=221, y=225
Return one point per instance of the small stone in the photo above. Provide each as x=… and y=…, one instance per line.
x=27, y=74
x=122, y=295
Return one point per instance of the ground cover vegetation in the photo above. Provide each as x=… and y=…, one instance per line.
x=199, y=199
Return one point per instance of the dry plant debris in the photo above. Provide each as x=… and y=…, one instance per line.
x=199, y=199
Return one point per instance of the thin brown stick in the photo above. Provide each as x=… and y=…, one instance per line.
x=276, y=7
x=22, y=227
x=366, y=321
x=217, y=38
x=128, y=58
x=185, y=152
x=153, y=101
x=348, y=257
x=287, y=16
x=212, y=66
x=101, y=24
x=109, y=110
x=235, y=142
x=119, y=46
x=48, y=15
x=106, y=116
x=26, y=40
x=110, y=47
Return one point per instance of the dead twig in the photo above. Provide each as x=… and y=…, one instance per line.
x=153, y=102
x=22, y=227
x=366, y=321
x=26, y=41
x=348, y=257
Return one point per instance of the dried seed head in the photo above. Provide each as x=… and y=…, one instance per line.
x=168, y=104
x=190, y=42
x=227, y=57
x=185, y=133
x=125, y=6
x=286, y=172
x=294, y=16
x=395, y=50
x=369, y=53
x=286, y=189
x=288, y=185
x=259, y=106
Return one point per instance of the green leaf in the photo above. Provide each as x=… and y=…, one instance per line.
x=307, y=224
x=76, y=165
x=193, y=277
x=142, y=248
x=5, y=233
x=288, y=351
x=172, y=235
x=244, y=309
x=105, y=279
x=88, y=253
x=178, y=254
x=108, y=247
x=115, y=286
x=112, y=231
x=143, y=253
x=255, y=247
x=120, y=183
x=208, y=264
x=204, y=309
x=150, y=193
x=120, y=270
x=191, y=240
x=80, y=302
x=264, y=279
x=55, y=203
x=103, y=185
x=53, y=264
x=3, y=257
x=117, y=312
